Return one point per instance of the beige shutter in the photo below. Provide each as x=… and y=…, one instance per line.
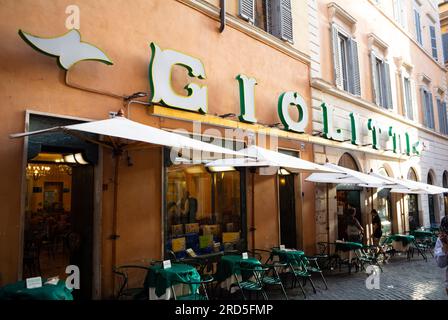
x=388, y=86
x=375, y=84
x=354, y=77
x=337, y=68
x=247, y=10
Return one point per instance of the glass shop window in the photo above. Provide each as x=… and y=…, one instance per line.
x=202, y=209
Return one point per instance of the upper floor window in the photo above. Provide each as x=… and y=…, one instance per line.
x=407, y=98
x=432, y=34
x=428, y=108
x=399, y=12
x=445, y=47
x=382, y=92
x=345, y=61
x=273, y=16
x=443, y=121
x=418, y=26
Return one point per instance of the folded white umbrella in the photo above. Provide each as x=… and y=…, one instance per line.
x=122, y=128
x=410, y=186
x=267, y=158
x=347, y=176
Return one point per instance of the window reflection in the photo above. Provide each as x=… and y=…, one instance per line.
x=203, y=209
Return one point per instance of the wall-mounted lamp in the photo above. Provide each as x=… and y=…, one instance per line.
x=283, y=172
x=75, y=158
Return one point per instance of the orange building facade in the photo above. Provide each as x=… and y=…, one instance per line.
x=240, y=204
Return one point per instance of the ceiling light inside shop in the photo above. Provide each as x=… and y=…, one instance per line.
x=195, y=170
x=221, y=169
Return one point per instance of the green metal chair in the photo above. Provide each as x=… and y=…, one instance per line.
x=312, y=266
x=300, y=274
x=199, y=294
x=272, y=277
x=252, y=279
x=130, y=293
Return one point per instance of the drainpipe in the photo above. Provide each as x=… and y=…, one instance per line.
x=222, y=15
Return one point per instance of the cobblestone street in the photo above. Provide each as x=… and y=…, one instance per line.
x=401, y=280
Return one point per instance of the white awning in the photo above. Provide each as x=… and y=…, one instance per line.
x=120, y=127
x=410, y=187
x=268, y=158
x=347, y=176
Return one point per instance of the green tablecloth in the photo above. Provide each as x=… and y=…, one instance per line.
x=348, y=246
x=18, y=291
x=405, y=239
x=162, y=279
x=229, y=265
x=288, y=256
x=422, y=234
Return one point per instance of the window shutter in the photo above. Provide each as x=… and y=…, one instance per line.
x=424, y=106
x=375, y=86
x=354, y=78
x=445, y=120
x=269, y=25
x=431, y=112
x=414, y=106
x=388, y=85
x=247, y=10
x=440, y=112
x=286, y=20
x=336, y=58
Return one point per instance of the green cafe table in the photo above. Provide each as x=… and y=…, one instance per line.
x=288, y=255
x=160, y=282
x=347, y=253
x=403, y=243
x=18, y=291
x=229, y=266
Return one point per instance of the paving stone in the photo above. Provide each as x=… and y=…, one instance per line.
x=401, y=280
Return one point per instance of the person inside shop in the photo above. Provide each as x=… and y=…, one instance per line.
x=441, y=249
x=188, y=208
x=354, y=229
x=173, y=213
x=377, y=228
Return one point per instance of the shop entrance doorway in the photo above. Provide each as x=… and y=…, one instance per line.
x=431, y=203
x=288, y=231
x=59, y=205
x=347, y=196
x=414, y=219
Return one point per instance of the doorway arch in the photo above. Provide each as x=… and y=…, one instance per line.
x=348, y=196
x=412, y=199
x=445, y=195
x=432, y=200
x=384, y=204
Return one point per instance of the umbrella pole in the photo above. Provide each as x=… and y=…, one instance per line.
x=253, y=211
x=328, y=217
x=114, y=235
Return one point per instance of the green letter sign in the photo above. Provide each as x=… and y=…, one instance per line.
x=247, y=99
x=293, y=99
x=162, y=61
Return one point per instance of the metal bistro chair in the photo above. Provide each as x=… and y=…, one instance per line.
x=125, y=292
x=252, y=279
x=312, y=266
x=272, y=276
x=300, y=273
x=195, y=294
